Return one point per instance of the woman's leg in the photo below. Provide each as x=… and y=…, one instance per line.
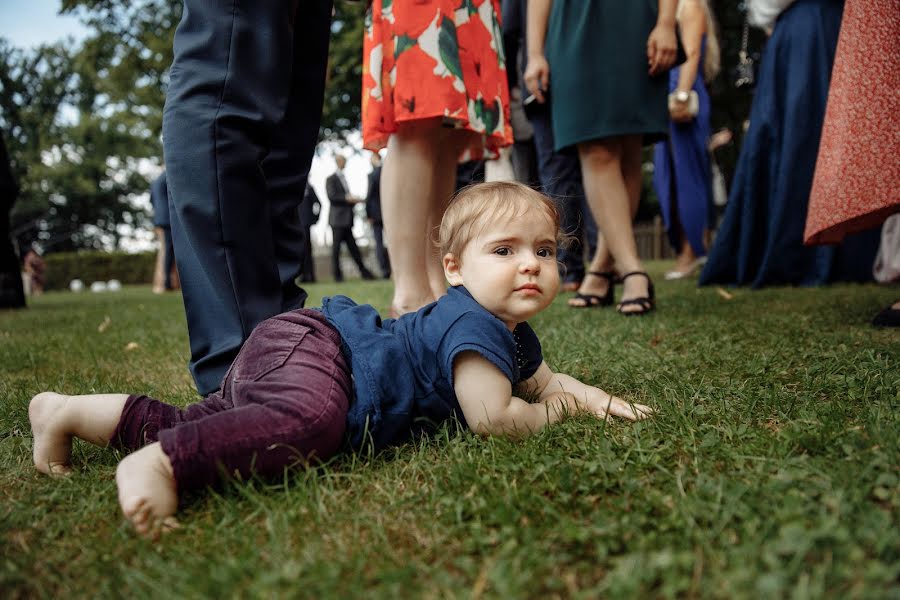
x=686, y=258
x=407, y=179
x=631, y=170
x=612, y=199
x=451, y=144
x=159, y=266
x=417, y=181
x=444, y=185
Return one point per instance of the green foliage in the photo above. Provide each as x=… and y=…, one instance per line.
x=82, y=119
x=769, y=471
x=63, y=267
x=342, y=111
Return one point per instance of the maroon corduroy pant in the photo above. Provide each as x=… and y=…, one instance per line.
x=283, y=401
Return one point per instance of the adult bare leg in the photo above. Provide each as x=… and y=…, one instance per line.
x=451, y=146
x=407, y=198
x=593, y=284
x=611, y=203
x=631, y=170
x=686, y=261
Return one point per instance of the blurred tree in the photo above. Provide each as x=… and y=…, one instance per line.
x=84, y=121
x=33, y=88
x=341, y=114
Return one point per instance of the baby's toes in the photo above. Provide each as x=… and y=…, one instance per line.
x=137, y=511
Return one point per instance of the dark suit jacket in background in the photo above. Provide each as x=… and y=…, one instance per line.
x=373, y=197
x=310, y=208
x=341, y=212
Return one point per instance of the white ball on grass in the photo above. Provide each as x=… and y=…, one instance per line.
x=76, y=285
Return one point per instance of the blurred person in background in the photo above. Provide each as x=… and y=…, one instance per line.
x=683, y=172
x=340, y=218
x=604, y=64
x=373, y=214
x=34, y=267
x=559, y=173
x=310, y=208
x=760, y=240
x=12, y=294
x=435, y=95
x=165, y=276
x=855, y=184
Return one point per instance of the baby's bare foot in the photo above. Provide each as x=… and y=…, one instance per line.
x=52, y=442
x=147, y=492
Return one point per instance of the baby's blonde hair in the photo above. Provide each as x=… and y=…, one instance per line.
x=476, y=205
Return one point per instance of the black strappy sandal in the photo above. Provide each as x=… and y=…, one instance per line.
x=594, y=300
x=646, y=303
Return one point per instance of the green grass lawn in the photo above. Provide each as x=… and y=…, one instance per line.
x=770, y=470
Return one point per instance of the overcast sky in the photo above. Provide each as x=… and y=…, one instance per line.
x=28, y=23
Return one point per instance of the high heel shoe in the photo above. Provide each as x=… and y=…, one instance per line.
x=646, y=303
x=595, y=300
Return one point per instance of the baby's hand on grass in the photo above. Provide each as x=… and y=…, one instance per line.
x=602, y=405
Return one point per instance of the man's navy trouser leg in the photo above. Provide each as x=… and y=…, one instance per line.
x=560, y=175
x=240, y=126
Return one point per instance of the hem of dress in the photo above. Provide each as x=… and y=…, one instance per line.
x=835, y=234
x=651, y=136
x=490, y=146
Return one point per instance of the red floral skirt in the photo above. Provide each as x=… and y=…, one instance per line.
x=437, y=58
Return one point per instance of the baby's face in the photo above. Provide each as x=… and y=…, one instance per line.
x=510, y=267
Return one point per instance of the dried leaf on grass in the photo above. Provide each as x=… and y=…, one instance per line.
x=104, y=325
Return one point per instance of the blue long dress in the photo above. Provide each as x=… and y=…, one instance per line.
x=682, y=172
x=760, y=240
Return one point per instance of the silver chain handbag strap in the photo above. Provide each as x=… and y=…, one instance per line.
x=745, y=73
x=745, y=35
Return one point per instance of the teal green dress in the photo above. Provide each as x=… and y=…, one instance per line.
x=599, y=86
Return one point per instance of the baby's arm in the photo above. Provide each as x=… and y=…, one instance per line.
x=485, y=396
x=548, y=385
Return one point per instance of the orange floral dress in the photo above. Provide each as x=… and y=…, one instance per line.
x=436, y=58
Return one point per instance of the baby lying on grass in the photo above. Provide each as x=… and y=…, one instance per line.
x=289, y=396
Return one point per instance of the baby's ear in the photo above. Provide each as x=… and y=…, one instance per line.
x=451, y=270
